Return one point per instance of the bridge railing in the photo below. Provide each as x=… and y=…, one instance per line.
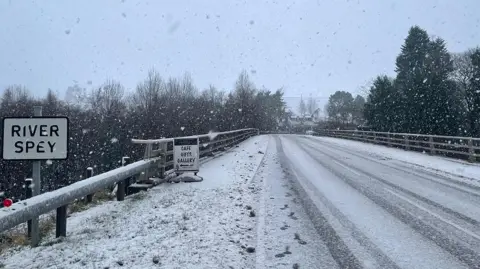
x=208, y=144
x=448, y=146
x=158, y=159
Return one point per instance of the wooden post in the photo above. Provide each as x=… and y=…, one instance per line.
x=89, y=174
x=432, y=146
x=126, y=161
x=121, y=186
x=28, y=194
x=164, y=147
x=121, y=190
x=471, y=151
x=36, y=190
x=61, y=229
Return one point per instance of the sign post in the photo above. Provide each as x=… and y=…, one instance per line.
x=35, y=138
x=186, y=153
x=36, y=176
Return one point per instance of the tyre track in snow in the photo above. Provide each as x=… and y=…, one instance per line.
x=342, y=253
x=285, y=233
x=419, y=171
x=463, y=196
x=336, y=246
x=399, y=188
x=458, y=249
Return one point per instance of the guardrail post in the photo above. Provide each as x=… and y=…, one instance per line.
x=388, y=140
x=164, y=147
x=471, y=151
x=126, y=161
x=407, y=142
x=209, y=149
x=61, y=229
x=61, y=219
x=121, y=190
x=121, y=187
x=374, y=138
x=432, y=146
x=147, y=155
x=88, y=174
x=28, y=194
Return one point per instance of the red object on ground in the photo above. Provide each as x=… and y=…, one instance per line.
x=7, y=202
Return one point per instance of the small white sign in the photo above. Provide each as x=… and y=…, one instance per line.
x=185, y=154
x=37, y=138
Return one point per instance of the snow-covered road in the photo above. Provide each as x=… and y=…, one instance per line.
x=285, y=201
x=375, y=210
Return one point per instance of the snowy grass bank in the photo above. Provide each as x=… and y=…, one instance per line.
x=186, y=225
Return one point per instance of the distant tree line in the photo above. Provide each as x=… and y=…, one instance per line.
x=308, y=107
x=104, y=119
x=434, y=91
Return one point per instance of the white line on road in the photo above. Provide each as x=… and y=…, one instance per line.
x=434, y=214
x=348, y=168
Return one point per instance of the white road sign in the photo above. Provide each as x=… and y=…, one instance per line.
x=185, y=154
x=36, y=138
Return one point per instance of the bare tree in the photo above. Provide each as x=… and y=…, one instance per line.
x=107, y=99
x=311, y=105
x=148, y=93
x=76, y=96
x=463, y=68
x=16, y=99
x=173, y=89
x=15, y=93
x=188, y=88
x=302, y=107
x=244, y=98
x=463, y=74
x=213, y=96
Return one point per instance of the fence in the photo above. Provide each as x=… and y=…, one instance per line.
x=157, y=162
x=448, y=146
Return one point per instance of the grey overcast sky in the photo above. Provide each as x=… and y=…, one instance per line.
x=308, y=47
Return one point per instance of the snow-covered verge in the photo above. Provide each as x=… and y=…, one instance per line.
x=205, y=224
x=437, y=164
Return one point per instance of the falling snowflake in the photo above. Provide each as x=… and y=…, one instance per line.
x=240, y=110
x=91, y=152
x=212, y=135
x=49, y=162
x=114, y=140
x=205, y=145
x=182, y=128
